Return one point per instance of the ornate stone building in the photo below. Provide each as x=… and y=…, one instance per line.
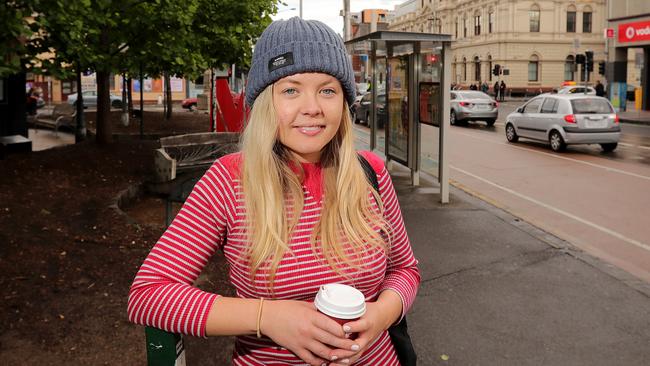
x=534, y=41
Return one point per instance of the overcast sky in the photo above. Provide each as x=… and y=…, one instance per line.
x=327, y=11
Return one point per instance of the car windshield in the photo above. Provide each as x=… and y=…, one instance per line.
x=474, y=95
x=591, y=106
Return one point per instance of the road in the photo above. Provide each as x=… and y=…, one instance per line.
x=597, y=201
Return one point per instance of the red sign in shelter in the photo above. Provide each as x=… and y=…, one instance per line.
x=634, y=32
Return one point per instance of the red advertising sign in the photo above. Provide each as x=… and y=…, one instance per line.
x=609, y=32
x=634, y=32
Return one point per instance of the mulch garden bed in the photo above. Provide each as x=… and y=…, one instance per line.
x=67, y=256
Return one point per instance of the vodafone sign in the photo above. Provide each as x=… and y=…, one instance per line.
x=634, y=32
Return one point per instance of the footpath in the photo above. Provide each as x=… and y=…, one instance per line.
x=498, y=291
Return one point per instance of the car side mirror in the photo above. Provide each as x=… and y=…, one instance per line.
x=520, y=110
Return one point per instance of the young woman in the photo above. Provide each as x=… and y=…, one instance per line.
x=292, y=211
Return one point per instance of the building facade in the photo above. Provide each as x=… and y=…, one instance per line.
x=628, y=65
x=534, y=42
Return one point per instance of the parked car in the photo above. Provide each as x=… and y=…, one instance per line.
x=362, y=112
x=355, y=106
x=566, y=119
x=190, y=103
x=576, y=90
x=90, y=99
x=472, y=106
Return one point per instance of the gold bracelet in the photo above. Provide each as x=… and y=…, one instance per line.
x=259, y=317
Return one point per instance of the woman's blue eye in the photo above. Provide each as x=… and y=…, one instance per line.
x=329, y=91
x=290, y=91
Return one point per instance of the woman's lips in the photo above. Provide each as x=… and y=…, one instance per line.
x=310, y=130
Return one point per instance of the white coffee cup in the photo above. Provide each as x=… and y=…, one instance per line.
x=340, y=302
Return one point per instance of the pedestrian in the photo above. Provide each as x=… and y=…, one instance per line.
x=472, y=87
x=31, y=103
x=484, y=87
x=502, y=90
x=496, y=90
x=600, y=89
x=292, y=211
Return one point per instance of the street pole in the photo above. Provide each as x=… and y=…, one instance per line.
x=347, y=28
x=300, y=9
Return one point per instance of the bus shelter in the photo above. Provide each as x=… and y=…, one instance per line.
x=406, y=81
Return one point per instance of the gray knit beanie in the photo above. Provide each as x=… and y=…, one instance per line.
x=294, y=46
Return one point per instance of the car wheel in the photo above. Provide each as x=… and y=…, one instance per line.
x=192, y=107
x=556, y=141
x=609, y=147
x=490, y=122
x=511, y=134
x=116, y=104
x=452, y=118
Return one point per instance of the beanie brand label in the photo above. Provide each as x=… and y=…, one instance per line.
x=281, y=61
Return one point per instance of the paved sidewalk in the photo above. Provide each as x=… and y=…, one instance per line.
x=497, y=291
x=635, y=116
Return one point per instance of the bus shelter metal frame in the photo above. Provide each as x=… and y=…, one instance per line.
x=391, y=40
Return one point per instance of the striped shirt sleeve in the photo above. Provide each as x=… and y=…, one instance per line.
x=402, y=274
x=162, y=294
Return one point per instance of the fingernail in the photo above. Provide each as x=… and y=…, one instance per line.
x=346, y=328
x=355, y=347
x=323, y=364
x=345, y=361
x=334, y=358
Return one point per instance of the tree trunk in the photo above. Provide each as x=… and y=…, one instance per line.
x=168, y=94
x=129, y=96
x=80, y=128
x=104, y=127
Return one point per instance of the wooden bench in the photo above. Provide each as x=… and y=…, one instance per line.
x=62, y=115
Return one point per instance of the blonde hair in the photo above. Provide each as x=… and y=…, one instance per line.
x=348, y=226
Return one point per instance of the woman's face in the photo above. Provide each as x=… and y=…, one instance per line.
x=309, y=108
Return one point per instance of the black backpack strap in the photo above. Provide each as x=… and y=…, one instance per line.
x=370, y=172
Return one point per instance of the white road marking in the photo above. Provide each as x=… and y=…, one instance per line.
x=613, y=170
x=625, y=144
x=559, y=211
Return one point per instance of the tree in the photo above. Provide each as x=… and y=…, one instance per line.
x=173, y=37
x=16, y=28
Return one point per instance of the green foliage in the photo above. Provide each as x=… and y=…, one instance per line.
x=13, y=34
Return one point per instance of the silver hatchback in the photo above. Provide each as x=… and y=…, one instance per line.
x=565, y=120
x=472, y=106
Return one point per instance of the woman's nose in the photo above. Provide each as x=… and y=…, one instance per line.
x=310, y=105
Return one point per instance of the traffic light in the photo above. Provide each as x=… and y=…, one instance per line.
x=589, y=60
x=497, y=70
x=580, y=59
x=601, y=67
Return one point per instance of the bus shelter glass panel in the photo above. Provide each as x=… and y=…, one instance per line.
x=379, y=84
x=429, y=97
x=398, y=102
x=360, y=55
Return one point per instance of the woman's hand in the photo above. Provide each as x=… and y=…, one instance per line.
x=379, y=316
x=300, y=328
x=369, y=327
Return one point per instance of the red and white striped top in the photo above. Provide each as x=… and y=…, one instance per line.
x=162, y=294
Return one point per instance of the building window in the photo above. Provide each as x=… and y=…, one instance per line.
x=571, y=21
x=489, y=71
x=490, y=21
x=477, y=25
x=464, y=69
x=533, y=15
x=456, y=28
x=465, y=27
x=477, y=69
x=569, y=68
x=533, y=68
x=586, y=22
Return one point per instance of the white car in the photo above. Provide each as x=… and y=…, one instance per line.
x=566, y=120
x=576, y=89
x=90, y=99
